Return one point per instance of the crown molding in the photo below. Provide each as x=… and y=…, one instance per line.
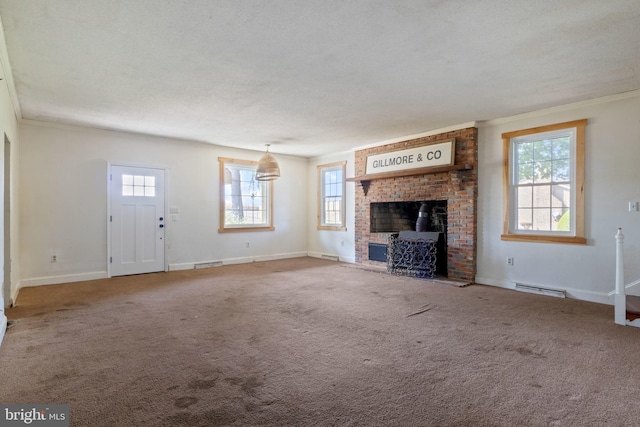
x=559, y=108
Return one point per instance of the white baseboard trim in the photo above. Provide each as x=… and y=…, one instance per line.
x=3, y=326
x=56, y=280
x=599, y=297
x=323, y=255
x=182, y=266
x=242, y=260
x=261, y=258
x=14, y=293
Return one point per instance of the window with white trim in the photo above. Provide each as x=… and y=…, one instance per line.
x=544, y=183
x=246, y=204
x=138, y=185
x=331, y=190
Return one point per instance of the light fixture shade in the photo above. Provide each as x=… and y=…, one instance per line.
x=268, y=168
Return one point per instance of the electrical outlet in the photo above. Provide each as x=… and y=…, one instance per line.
x=634, y=206
x=510, y=261
x=54, y=258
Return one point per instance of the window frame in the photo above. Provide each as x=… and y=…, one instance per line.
x=227, y=228
x=577, y=234
x=321, y=213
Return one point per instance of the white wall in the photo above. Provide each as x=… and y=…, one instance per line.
x=612, y=179
x=328, y=242
x=63, y=171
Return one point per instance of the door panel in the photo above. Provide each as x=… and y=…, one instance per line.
x=127, y=234
x=150, y=216
x=137, y=220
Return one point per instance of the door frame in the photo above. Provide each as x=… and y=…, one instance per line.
x=166, y=207
x=6, y=299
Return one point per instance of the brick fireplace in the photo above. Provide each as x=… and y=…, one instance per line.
x=457, y=187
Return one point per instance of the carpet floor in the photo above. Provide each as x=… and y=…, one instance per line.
x=310, y=342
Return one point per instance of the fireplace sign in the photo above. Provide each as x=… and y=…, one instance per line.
x=440, y=153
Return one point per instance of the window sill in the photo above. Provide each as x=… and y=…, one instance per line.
x=331, y=228
x=572, y=240
x=243, y=229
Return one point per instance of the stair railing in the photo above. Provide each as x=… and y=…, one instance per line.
x=620, y=298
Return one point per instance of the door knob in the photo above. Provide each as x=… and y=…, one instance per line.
x=161, y=218
x=161, y=225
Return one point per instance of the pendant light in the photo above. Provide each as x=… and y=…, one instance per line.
x=268, y=168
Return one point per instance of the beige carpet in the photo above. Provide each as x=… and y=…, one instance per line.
x=308, y=342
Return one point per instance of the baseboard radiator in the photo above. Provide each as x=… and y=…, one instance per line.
x=207, y=264
x=559, y=293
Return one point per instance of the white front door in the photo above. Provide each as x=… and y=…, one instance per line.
x=137, y=220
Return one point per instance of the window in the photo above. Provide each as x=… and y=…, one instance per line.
x=544, y=183
x=245, y=203
x=331, y=208
x=138, y=185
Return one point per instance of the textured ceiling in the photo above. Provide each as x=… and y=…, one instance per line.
x=312, y=77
